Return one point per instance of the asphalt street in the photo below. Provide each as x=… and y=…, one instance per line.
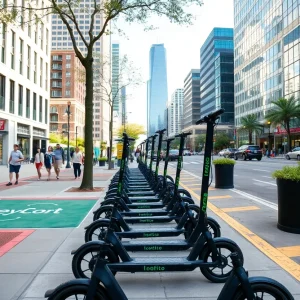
x=250, y=177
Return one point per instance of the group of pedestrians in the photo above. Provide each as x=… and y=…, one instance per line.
x=52, y=158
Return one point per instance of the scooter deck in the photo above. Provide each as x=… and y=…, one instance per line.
x=141, y=193
x=149, y=205
x=173, y=245
x=144, y=198
x=145, y=212
x=150, y=220
x=150, y=232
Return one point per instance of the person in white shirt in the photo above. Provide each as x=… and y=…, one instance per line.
x=39, y=161
x=77, y=161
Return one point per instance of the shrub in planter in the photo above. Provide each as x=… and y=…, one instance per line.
x=224, y=173
x=102, y=161
x=288, y=187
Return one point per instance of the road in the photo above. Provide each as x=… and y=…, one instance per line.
x=251, y=177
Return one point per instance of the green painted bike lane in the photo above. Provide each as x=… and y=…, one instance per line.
x=43, y=213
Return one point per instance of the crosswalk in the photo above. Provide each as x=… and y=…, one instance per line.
x=187, y=163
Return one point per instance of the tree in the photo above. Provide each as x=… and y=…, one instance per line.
x=133, y=130
x=222, y=140
x=251, y=125
x=283, y=112
x=111, y=90
x=109, y=10
x=200, y=142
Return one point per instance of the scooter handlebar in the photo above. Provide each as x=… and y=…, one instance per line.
x=212, y=116
x=184, y=134
x=169, y=140
x=161, y=131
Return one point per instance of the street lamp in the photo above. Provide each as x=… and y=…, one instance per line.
x=269, y=142
x=68, y=112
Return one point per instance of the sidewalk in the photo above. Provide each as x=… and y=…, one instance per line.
x=40, y=259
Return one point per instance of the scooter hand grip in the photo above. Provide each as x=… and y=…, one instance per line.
x=183, y=134
x=161, y=131
x=131, y=139
x=212, y=116
x=169, y=140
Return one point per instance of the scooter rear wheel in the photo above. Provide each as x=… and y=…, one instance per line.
x=263, y=290
x=103, y=212
x=217, y=274
x=83, y=262
x=72, y=292
x=212, y=225
x=97, y=231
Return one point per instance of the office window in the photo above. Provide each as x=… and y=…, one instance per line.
x=36, y=29
x=68, y=83
x=12, y=51
x=21, y=57
x=11, y=97
x=68, y=74
x=34, y=106
x=27, y=103
x=28, y=61
x=2, y=42
x=42, y=36
x=30, y=23
x=20, y=106
x=68, y=57
x=41, y=109
x=47, y=40
x=68, y=66
x=41, y=72
x=35, y=67
x=46, y=111
x=22, y=16
x=46, y=77
x=68, y=93
x=2, y=92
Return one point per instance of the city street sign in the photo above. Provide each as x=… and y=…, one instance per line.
x=43, y=213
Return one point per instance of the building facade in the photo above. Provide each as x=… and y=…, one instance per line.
x=267, y=41
x=191, y=103
x=115, y=75
x=67, y=84
x=61, y=41
x=216, y=94
x=157, y=88
x=175, y=112
x=24, y=86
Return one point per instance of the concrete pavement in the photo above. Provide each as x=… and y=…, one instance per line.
x=40, y=259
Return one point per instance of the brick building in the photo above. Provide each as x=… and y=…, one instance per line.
x=67, y=84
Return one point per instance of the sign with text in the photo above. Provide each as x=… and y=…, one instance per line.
x=119, y=151
x=2, y=124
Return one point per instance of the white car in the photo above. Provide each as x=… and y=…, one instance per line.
x=294, y=154
x=221, y=153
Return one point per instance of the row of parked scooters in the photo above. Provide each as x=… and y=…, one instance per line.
x=140, y=195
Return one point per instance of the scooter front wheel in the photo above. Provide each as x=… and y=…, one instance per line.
x=103, y=212
x=83, y=261
x=79, y=292
x=263, y=290
x=97, y=231
x=220, y=273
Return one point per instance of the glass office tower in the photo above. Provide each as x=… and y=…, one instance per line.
x=266, y=37
x=157, y=89
x=216, y=80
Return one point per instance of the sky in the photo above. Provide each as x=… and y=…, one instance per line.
x=182, y=45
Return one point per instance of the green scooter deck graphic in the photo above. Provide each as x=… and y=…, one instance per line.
x=43, y=213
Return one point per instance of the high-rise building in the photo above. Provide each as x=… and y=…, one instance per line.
x=24, y=86
x=123, y=104
x=267, y=53
x=67, y=84
x=216, y=74
x=157, y=88
x=115, y=76
x=191, y=103
x=175, y=112
x=61, y=40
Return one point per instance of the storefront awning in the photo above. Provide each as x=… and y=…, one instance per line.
x=40, y=137
x=23, y=135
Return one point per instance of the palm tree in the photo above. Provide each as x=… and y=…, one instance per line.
x=283, y=112
x=251, y=124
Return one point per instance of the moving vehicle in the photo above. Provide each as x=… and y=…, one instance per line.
x=248, y=152
x=294, y=154
x=173, y=155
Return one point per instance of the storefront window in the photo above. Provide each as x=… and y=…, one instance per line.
x=24, y=146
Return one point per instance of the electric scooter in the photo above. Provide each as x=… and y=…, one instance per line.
x=104, y=286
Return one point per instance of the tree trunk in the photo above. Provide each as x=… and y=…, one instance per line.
x=87, y=180
x=250, y=137
x=288, y=131
x=110, y=135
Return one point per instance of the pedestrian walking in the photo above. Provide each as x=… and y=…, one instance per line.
x=77, y=161
x=49, y=160
x=59, y=159
x=39, y=162
x=14, y=161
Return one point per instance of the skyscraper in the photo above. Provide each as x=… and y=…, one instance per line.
x=115, y=75
x=216, y=81
x=176, y=112
x=157, y=88
x=267, y=67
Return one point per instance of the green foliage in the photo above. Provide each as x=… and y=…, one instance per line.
x=55, y=138
x=102, y=159
x=289, y=173
x=222, y=141
x=200, y=142
x=223, y=161
x=133, y=130
x=283, y=111
x=251, y=124
x=175, y=144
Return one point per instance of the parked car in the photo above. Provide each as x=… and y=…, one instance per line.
x=186, y=153
x=221, y=153
x=294, y=154
x=229, y=152
x=248, y=152
x=173, y=154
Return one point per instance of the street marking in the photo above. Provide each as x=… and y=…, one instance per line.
x=240, y=208
x=194, y=184
x=267, y=177
x=278, y=257
x=217, y=197
x=195, y=163
x=199, y=189
x=261, y=170
x=257, y=199
x=270, y=183
x=292, y=251
x=186, y=163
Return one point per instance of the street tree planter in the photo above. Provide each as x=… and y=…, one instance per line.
x=102, y=161
x=224, y=173
x=288, y=187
